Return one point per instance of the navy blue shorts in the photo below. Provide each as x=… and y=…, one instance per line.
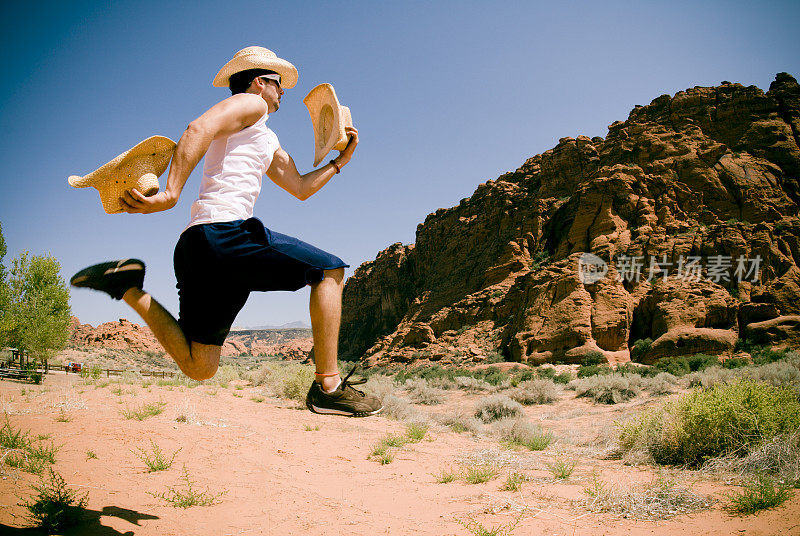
x=217, y=265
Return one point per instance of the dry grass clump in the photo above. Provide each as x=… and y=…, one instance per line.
x=400, y=408
x=522, y=433
x=380, y=386
x=662, y=383
x=660, y=499
x=422, y=393
x=607, y=388
x=472, y=385
x=536, y=391
x=786, y=372
x=710, y=377
x=459, y=422
x=778, y=457
x=496, y=407
x=226, y=374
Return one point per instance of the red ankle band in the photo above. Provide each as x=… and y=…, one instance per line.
x=327, y=375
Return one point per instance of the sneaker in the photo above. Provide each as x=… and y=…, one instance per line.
x=114, y=278
x=345, y=400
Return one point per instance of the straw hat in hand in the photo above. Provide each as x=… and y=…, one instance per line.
x=137, y=168
x=329, y=119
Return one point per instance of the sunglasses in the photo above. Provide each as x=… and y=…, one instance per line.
x=275, y=77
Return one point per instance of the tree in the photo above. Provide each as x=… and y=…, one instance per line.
x=34, y=305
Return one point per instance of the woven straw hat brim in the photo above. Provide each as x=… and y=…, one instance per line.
x=329, y=119
x=138, y=167
x=257, y=58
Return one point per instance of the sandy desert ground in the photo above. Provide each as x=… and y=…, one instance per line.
x=274, y=468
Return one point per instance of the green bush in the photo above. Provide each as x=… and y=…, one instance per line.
x=736, y=362
x=681, y=366
x=641, y=347
x=706, y=423
x=760, y=494
x=563, y=378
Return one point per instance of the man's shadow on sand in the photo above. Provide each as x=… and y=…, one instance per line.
x=90, y=524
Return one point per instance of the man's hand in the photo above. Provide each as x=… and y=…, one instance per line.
x=134, y=202
x=346, y=154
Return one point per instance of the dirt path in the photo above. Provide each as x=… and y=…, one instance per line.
x=275, y=469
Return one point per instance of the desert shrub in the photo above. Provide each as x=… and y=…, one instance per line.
x=709, y=377
x=496, y=407
x=55, y=506
x=759, y=494
x=735, y=362
x=661, y=384
x=680, y=366
x=427, y=373
x=422, y=393
x=226, y=374
x=143, y=411
x=724, y=419
x=640, y=370
x=562, y=468
x=398, y=408
x=662, y=498
x=519, y=432
x=443, y=383
x=641, y=347
x=471, y=385
x=94, y=372
x=764, y=355
x=522, y=376
x=546, y=372
x=156, y=459
x=778, y=457
x=286, y=380
x=778, y=373
x=130, y=376
x=563, y=378
x=537, y=391
x=495, y=376
x=607, y=389
x=593, y=364
x=379, y=386
x=460, y=422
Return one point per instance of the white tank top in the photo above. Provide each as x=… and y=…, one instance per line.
x=232, y=174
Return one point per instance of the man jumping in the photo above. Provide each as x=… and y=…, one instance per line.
x=225, y=253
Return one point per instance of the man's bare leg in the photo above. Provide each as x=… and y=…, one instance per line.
x=198, y=361
x=326, y=315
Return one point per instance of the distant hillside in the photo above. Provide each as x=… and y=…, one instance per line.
x=289, y=325
x=292, y=343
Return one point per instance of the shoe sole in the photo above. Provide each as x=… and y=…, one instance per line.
x=75, y=281
x=329, y=411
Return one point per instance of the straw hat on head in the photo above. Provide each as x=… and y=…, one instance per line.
x=137, y=168
x=329, y=119
x=257, y=58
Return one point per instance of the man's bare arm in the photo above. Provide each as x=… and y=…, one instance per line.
x=283, y=170
x=221, y=120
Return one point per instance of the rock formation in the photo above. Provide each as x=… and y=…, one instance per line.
x=680, y=227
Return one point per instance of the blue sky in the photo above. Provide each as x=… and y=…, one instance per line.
x=446, y=95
